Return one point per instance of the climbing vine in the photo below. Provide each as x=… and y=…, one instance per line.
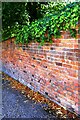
x=61, y=18
x=56, y=17
x=17, y=14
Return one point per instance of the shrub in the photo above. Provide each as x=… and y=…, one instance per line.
x=59, y=17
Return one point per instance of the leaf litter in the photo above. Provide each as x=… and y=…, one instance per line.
x=47, y=104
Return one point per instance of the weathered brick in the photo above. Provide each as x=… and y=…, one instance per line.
x=51, y=69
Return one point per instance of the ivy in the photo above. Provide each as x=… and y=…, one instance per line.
x=17, y=14
x=56, y=18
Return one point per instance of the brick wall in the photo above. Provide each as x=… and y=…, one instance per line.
x=51, y=69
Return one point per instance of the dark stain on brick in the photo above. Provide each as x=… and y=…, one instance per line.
x=56, y=96
x=52, y=48
x=33, y=65
x=59, y=64
x=46, y=93
x=48, y=57
x=45, y=66
x=25, y=71
x=13, y=72
x=30, y=83
x=34, y=58
x=59, y=101
x=32, y=75
x=50, y=81
x=47, y=44
x=38, y=80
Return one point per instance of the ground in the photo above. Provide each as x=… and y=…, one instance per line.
x=16, y=105
x=19, y=101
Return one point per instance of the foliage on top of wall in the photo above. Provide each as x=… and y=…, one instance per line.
x=56, y=17
x=62, y=17
x=17, y=14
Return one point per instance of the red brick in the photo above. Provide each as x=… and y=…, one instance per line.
x=56, y=77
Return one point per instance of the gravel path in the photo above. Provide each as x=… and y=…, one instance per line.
x=16, y=105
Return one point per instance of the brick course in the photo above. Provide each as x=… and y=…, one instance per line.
x=51, y=69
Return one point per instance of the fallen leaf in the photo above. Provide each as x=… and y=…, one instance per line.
x=25, y=101
x=52, y=107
